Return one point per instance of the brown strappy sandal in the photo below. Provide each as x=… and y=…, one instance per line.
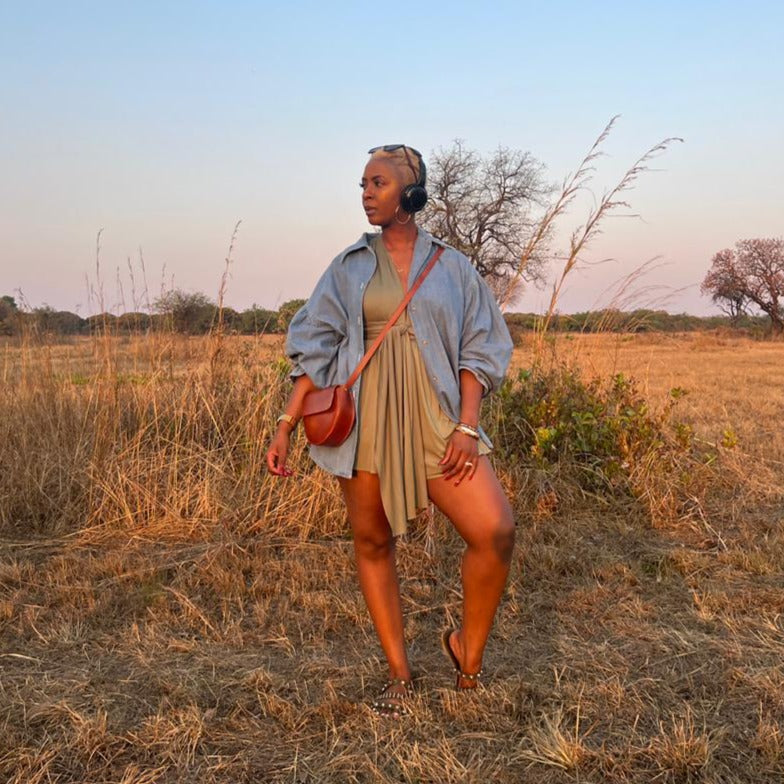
x=383, y=704
x=473, y=677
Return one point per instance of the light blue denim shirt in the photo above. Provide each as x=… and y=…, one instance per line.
x=455, y=317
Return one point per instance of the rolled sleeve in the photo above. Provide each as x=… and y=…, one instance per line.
x=485, y=343
x=316, y=332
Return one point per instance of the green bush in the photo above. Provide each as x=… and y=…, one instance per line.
x=602, y=432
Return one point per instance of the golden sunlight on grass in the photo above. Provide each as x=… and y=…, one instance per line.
x=171, y=613
x=732, y=383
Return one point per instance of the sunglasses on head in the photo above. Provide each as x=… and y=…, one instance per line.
x=392, y=148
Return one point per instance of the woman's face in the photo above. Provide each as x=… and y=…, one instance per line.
x=381, y=186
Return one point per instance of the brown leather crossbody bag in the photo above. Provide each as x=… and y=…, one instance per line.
x=328, y=414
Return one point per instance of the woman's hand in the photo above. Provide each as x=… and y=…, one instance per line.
x=278, y=452
x=461, y=458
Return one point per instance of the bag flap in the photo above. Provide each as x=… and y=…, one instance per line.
x=318, y=401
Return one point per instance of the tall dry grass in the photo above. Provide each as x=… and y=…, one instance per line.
x=170, y=613
x=582, y=236
x=142, y=433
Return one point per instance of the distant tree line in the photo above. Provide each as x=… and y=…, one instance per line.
x=189, y=313
x=487, y=208
x=634, y=321
x=195, y=314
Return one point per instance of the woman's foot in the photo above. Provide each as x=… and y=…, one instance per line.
x=452, y=644
x=394, y=698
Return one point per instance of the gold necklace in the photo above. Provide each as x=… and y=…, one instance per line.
x=399, y=269
x=389, y=256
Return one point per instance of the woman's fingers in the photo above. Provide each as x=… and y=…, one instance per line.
x=282, y=470
x=462, y=465
x=467, y=467
x=272, y=461
x=460, y=462
x=455, y=464
x=451, y=461
x=276, y=462
x=465, y=470
x=447, y=455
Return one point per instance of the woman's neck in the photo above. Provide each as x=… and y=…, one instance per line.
x=398, y=236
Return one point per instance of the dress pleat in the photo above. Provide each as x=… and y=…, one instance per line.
x=403, y=431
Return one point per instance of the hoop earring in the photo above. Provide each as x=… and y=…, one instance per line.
x=402, y=223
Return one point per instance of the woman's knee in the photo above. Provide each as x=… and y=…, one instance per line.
x=369, y=525
x=374, y=543
x=497, y=532
x=505, y=534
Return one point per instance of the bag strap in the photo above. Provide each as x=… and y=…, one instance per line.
x=392, y=319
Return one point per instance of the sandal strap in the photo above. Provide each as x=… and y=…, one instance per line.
x=382, y=701
x=407, y=683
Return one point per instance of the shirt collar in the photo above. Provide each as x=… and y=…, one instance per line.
x=424, y=238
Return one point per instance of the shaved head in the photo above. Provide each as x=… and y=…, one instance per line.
x=404, y=160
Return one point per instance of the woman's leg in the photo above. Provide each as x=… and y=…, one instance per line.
x=374, y=549
x=480, y=511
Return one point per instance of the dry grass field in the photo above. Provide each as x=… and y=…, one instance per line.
x=171, y=613
x=733, y=383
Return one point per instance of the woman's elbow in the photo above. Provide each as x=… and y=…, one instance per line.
x=304, y=384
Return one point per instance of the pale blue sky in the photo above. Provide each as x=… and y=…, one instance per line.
x=165, y=123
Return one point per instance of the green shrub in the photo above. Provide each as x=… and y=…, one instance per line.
x=602, y=432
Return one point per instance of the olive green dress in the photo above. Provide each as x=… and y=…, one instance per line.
x=403, y=431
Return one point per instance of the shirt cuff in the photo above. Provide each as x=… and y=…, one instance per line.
x=296, y=372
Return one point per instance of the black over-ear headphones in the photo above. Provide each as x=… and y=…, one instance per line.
x=413, y=197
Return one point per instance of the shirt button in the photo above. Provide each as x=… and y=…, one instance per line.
x=424, y=342
x=359, y=319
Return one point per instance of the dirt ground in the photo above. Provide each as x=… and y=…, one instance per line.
x=224, y=638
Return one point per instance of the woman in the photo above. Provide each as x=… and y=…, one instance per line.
x=417, y=437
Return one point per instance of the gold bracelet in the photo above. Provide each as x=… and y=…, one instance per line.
x=287, y=418
x=462, y=427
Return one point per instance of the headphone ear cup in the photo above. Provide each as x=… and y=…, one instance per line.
x=413, y=198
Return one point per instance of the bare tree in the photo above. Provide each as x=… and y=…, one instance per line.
x=485, y=208
x=750, y=275
x=724, y=285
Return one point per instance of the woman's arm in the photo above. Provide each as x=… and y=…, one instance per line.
x=485, y=344
x=485, y=350
x=312, y=341
x=279, y=448
x=471, y=391
x=317, y=330
x=462, y=448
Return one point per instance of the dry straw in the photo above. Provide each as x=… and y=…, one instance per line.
x=170, y=612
